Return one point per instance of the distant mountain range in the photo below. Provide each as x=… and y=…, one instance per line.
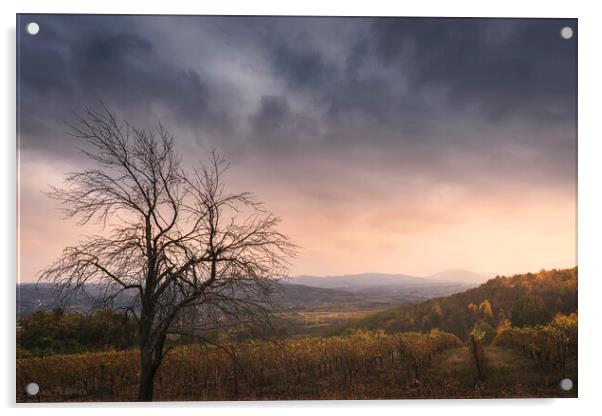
x=460, y=275
x=366, y=290
x=371, y=280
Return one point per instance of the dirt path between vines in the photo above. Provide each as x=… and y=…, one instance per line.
x=507, y=373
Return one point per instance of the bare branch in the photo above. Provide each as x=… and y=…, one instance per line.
x=190, y=250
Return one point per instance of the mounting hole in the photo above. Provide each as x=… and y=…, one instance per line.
x=32, y=28
x=32, y=389
x=566, y=32
x=566, y=384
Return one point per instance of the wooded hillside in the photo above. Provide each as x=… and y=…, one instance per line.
x=523, y=299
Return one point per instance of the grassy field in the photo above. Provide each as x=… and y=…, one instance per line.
x=318, y=322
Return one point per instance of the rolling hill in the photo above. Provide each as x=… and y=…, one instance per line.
x=553, y=291
x=31, y=297
x=361, y=291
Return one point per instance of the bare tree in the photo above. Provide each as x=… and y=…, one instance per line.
x=176, y=239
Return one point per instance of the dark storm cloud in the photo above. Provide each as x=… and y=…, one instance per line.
x=272, y=113
x=301, y=66
x=506, y=65
x=127, y=67
x=277, y=129
x=501, y=67
x=67, y=67
x=439, y=97
x=424, y=135
x=273, y=126
x=436, y=97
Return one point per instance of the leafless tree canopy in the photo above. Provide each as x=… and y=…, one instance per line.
x=177, y=239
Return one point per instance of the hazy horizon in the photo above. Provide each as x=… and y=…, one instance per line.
x=386, y=145
x=486, y=276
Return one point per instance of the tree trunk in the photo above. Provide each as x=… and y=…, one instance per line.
x=147, y=376
x=151, y=355
x=147, y=352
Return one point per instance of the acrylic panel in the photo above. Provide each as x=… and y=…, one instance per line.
x=290, y=208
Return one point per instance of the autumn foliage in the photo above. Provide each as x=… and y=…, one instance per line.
x=549, y=346
x=361, y=365
x=510, y=337
x=525, y=299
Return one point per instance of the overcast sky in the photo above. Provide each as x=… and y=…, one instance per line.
x=385, y=144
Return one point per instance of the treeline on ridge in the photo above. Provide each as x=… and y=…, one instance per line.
x=45, y=333
x=521, y=300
